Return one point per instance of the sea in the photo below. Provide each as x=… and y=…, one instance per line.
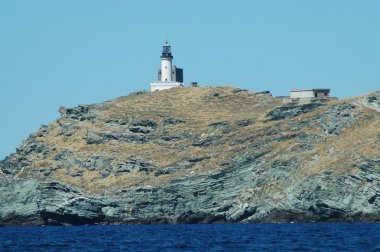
x=207, y=237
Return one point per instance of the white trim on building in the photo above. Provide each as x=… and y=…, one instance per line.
x=162, y=85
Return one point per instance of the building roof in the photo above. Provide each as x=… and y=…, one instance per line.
x=310, y=89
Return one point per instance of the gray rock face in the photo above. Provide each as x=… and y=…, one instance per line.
x=206, y=140
x=337, y=118
x=35, y=202
x=373, y=101
x=216, y=155
x=134, y=131
x=100, y=137
x=97, y=163
x=134, y=165
x=245, y=122
x=224, y=127
x=215, y=95
x=172, y=121
x=18, y=202
x=290, y=111
x=225, y=196
x=82, y=112
x=22, y=158
x=220, y=197
x=349, y=197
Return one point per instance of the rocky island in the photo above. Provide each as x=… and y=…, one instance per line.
x=198, y=155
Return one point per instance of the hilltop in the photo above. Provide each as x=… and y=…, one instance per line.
x=198, y=155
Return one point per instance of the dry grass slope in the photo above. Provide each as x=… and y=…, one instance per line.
x=215, y=126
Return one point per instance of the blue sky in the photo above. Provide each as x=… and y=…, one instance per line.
x=72, y=52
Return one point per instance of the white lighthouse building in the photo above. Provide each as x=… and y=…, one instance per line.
x=168, y=75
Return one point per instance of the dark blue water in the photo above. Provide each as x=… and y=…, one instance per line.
x=234, y=237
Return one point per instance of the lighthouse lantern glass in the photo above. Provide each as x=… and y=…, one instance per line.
x=166, y=49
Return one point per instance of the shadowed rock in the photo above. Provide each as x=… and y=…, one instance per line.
x=26, y=202
x=290, y=111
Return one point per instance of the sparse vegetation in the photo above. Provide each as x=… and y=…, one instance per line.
x=154, y=140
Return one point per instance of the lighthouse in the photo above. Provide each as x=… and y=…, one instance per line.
x=166, y=63
x=169, y=76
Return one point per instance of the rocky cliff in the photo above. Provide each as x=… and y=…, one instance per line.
x=198, y=155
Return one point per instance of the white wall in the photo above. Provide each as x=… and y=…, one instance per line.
x=301, y=94
x=158, y=86
x=166, y=69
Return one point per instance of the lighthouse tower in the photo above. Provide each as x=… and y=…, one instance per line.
x=168, y=75
x=166, y=63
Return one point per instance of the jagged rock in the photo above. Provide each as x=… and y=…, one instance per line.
x=59, y=203
x=36, y=202
x=195, y=159
x=178, y=167
x=370, y=166
x=290, y=111
x=238, y=90
x=31, y=148
x=67, y=127
x=81, y=113
x=75, y=173
x=337, y=118
x=373, y=101
x=138, y=92
x=245, y=139
x=97, y=163
x=45, y=171
x=302, y=138
x=225, y=127
x=284, y=164
x=241, y=212
x=299, y=125
x=13, y=164
x=206, y=141
x=93, y=137
x=245, y=122
x=134, y=165
x=215, y=94
x=173, y=137
x=143, y=130
x=118, y=121
x=328, y=198
x=172, y=121
x=43, y=131
x=66, y=158
x=19, y=202
x=150, y=124
x=263, y=93
x=164, y=171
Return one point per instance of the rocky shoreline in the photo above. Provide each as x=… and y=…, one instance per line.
x=198, y=155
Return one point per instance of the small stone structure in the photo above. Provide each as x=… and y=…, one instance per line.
x=318, y=93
